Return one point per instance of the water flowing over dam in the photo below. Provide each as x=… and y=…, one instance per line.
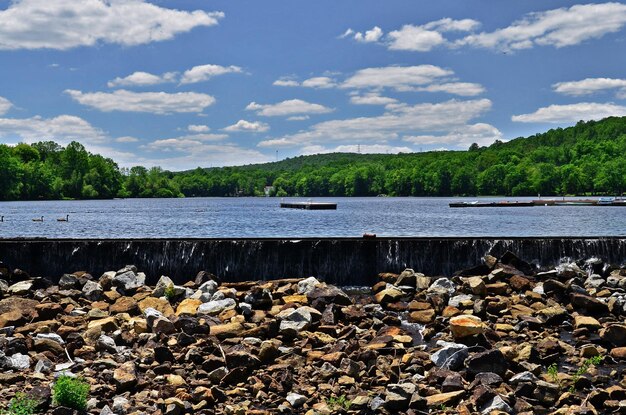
x=343, y=261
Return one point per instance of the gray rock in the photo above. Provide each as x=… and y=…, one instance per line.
x=296, y=400
x=92, y=291
x=106, y=343
x=307, y=285
x=120, y=405
x=217, y=306
x=18, y=361
x=209, y=287
x=20, y=288
x=398, y=396
x=68, y=282
x=4, y=287
x=294, y=321
x=163, y=283
x=106, y=411
x=596, y=281
x=128, y=280
x=495, y=404
x=216, y=375
x=458, y=299
x=51, y=336
x=43, y=366
x=450, y=356
x=442, y=285
x=157, y=322
x=524, y=377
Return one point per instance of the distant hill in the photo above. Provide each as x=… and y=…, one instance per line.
x=588, y=158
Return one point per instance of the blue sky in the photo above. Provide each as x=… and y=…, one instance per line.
x=191, y=83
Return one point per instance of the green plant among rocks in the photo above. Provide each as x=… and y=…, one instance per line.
x=340, y=402
x=587, y=363
x=553, y=373
x=170, y=292
x=21, y=404
x=71, y=392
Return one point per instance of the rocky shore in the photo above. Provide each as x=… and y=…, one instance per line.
x=498, y=338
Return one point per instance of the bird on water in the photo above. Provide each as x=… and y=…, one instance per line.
x=1, y=218
x=38, y=219
x=65, y=219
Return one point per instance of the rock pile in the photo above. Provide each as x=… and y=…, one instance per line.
x=500, y=338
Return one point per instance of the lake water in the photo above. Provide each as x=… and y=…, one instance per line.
x=262, y=217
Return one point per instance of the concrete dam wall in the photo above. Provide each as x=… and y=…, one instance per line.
x=343, y=261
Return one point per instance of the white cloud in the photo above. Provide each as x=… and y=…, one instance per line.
x=248, y=126
x=372, y=35
x=356, y=148
x=183, y=143
x=65, y=24
x=198, y=128
x=481, y=134
x=450, y=25
x=142, y=79
x=289, y=107
x=401, y=78
x=584, y=111
x=126, y=139
x=152, y=102
x=558, y=28
x=5, y=105
x=372, y=99
x=286, y=82
x=319, y=82
x=590, y=86
x=298, y=118
x=464, y=89
x=188, y=153
x=63, y=129
x=204, y=72
x=399, y=119
x=414, y=38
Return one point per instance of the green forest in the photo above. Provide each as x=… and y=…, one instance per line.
x=588, y=158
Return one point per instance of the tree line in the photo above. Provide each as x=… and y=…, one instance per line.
x=588, y=158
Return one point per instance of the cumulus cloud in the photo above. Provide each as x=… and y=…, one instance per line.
x=194, y=128
x=5, y=105
x=204, y=72
x=289, y=107
x=415, y=38
x=63, y=128
x=464, y=89
x=482, y=134
x=66, y=24
x=372, y=35
x=188, y=152
x=142, y=79
x=318, y=82
x=371, y=99
x=152, y=102
x=401, y=78
x=399, y=119
x=298, y=118
x=584, y=111
x=558, y=27
x=248, y=126
x=286, y=82
x=566, y=26
x=590, y=86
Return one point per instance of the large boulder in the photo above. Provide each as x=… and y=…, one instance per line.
x=466, y=325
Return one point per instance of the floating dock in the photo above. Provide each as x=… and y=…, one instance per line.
x=309, y=205
x=544, y=202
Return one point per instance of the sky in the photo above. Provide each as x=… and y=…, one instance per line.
x=188, y=83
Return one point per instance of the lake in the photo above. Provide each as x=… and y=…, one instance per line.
x=262, y=217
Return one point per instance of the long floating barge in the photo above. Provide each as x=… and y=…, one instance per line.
x=543, y=202
x=309, y=205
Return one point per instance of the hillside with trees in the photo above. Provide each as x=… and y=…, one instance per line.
x=588, y=158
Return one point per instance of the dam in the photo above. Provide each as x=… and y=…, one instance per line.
x=341, y=261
